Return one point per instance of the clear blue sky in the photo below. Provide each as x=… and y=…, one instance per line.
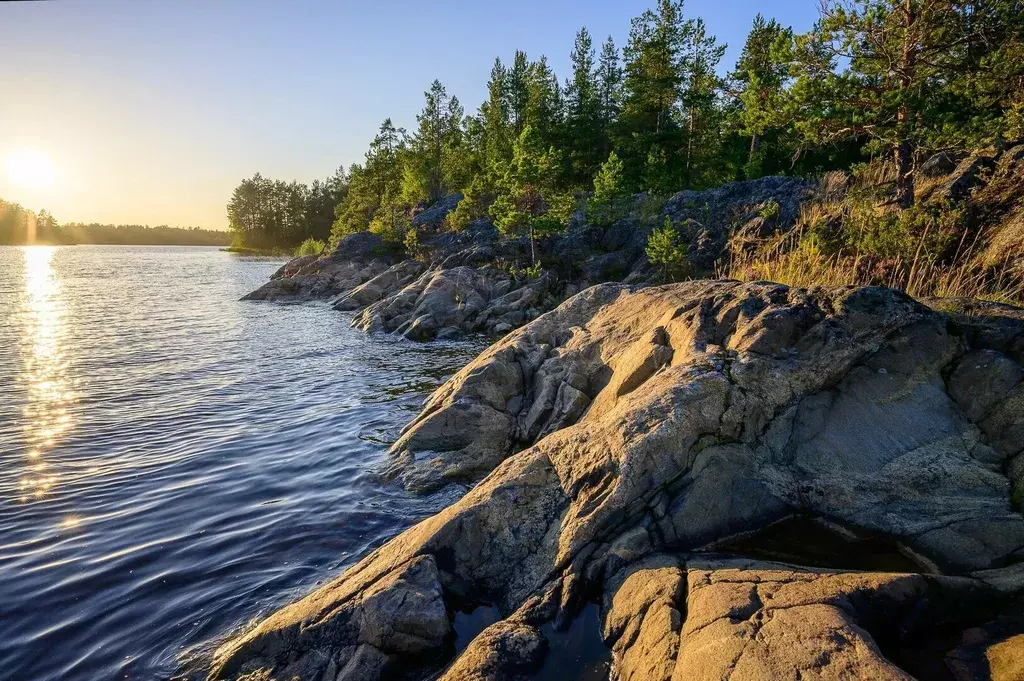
x=152, y=111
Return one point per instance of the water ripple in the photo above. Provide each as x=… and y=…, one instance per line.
x=174, y=462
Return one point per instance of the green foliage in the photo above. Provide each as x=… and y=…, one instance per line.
x=906, y=76
x=529, y=200
x=375, y=184
x=532, y=272
x=517, y=94
x=699, y=102
x=758, y=87
x=265, y=213
x=667, y=252
x=310, y=246
x=893, y=79
x=609, y=92
x=434, y=161
x=585, y=124
x=611, y=200
x=390, y=221
x=475, y=203
x=925, y=231
x=770, y=210
x=411, y=243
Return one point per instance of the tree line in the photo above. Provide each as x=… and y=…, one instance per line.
x=895, y=79
x=20, y=226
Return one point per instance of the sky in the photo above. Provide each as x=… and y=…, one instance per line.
x=152, y=112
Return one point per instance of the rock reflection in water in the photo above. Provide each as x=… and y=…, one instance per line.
x=811, y=542
x=579, y=652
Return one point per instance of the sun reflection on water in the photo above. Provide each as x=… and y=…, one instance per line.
x=46, y=415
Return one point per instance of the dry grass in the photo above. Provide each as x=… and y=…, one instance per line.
x=796, y=261
x=982, y=266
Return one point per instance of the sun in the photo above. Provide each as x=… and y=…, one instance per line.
x=30, y=169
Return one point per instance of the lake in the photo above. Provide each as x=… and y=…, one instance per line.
x=175, y=463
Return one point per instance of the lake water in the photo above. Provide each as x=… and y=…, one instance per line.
x=175, y=462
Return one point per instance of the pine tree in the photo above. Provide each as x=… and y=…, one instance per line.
x=544, y=106
x=758, y=86
x=495, y=114
x=702, y=113
x=884, y=71
x=584, y=124
x=609, y=91
x=434, y=151
x=529, y=200
x=653, y=78
x=611, y=199
x=517, y=93
x=667, y=252
x=376, y=183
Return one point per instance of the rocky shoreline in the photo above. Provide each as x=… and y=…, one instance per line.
x=467, y=282
x=692, y=481
x=471, y=281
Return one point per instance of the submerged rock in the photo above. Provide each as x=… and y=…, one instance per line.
x=629, y=437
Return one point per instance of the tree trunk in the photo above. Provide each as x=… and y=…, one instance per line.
x=904, y=172
x=904, y=117
x=689, y=141
x=755, y=146
x=533, y=250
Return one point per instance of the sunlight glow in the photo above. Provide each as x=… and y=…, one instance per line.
x=71, y=521
x=46, y=416
x=30, y=169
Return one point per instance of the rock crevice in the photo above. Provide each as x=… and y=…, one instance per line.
x=619, y=438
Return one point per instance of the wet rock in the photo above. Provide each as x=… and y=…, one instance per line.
x=502, y=652
x=993, y=651
x=401, y=613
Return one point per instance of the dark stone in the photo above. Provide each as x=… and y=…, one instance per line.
x=942, y=163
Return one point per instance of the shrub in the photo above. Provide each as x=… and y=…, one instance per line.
x=310, y=246
x=665, y=251
x=413, y=248
x=475, y=202
x=610, y=200
x=770, y=210
x=391, y=225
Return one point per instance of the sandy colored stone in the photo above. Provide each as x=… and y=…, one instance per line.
x=711, y=409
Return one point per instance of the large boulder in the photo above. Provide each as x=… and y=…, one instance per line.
x=383, y=285
x=969, y=174
x=463, y=297
x=940, y=164
x=357, y=259
x=432, y=217
x=632, y=433
x=708, y=218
